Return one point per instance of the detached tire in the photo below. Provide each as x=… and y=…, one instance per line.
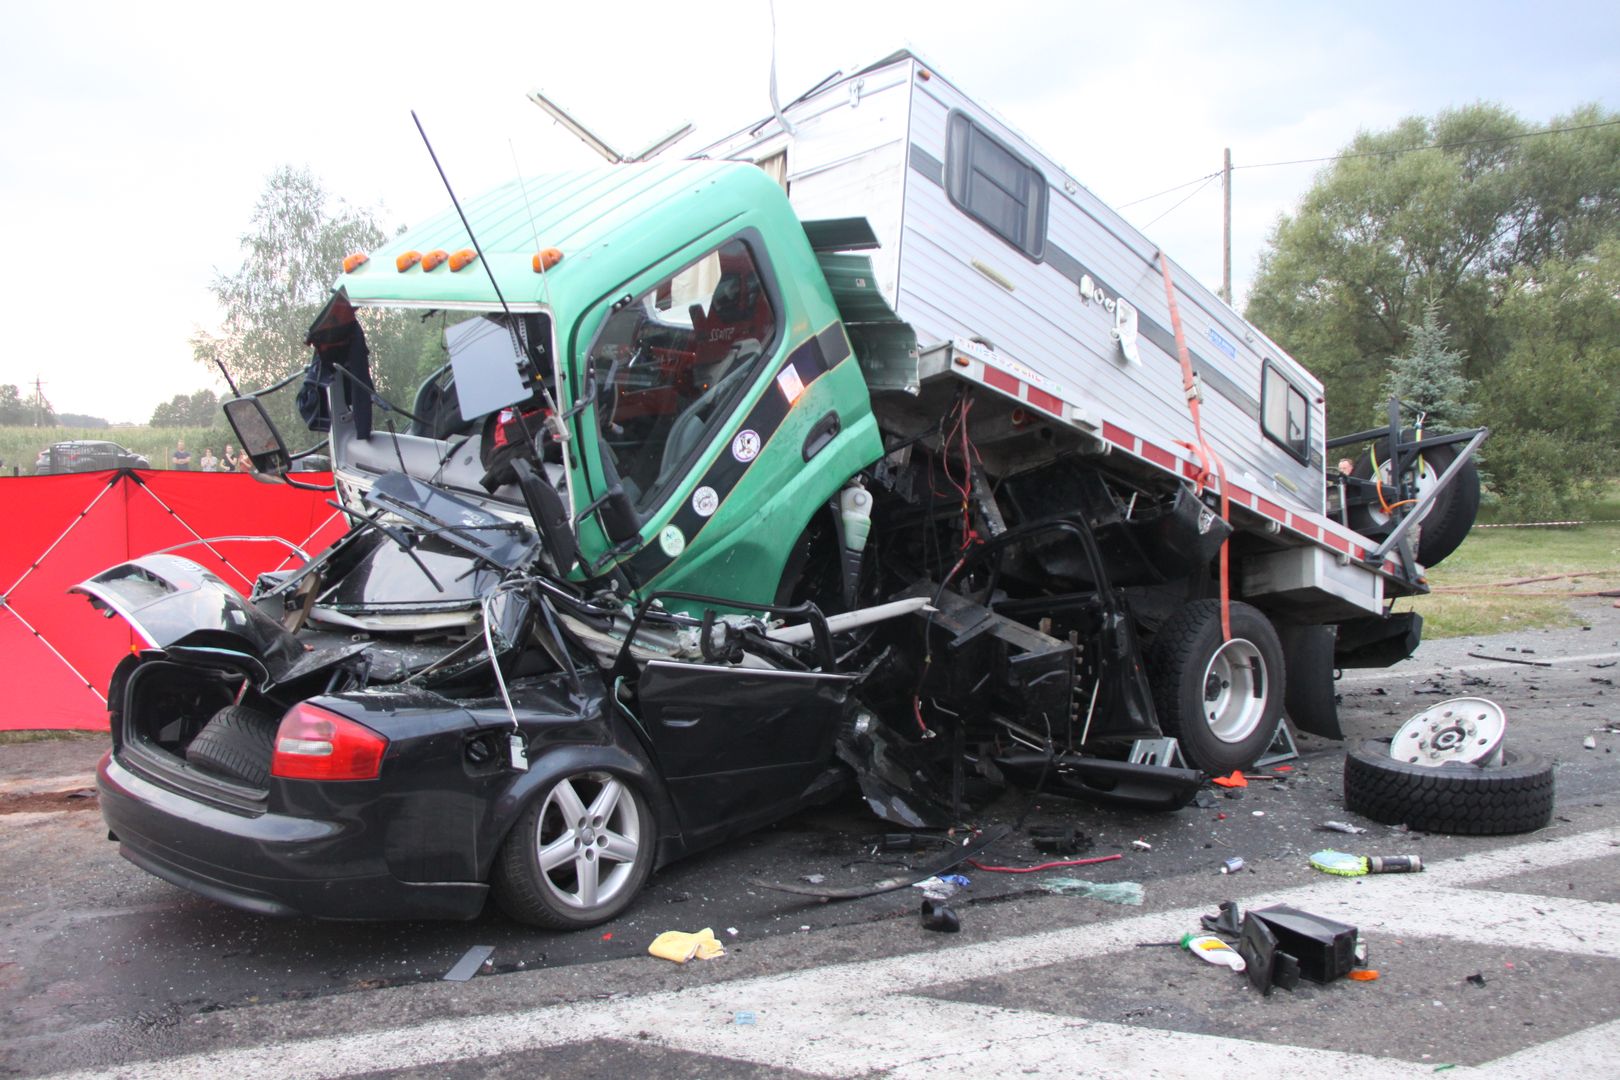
x=1470, y=800
x=237, y=743
x=578, y=855
x=1443, y=529
x=1221, y=699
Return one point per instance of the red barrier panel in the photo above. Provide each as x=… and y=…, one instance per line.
x=56, y=651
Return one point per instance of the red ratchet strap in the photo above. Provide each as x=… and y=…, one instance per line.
x=1202, y=450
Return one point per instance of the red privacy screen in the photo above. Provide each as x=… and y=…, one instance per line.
x=56, y=651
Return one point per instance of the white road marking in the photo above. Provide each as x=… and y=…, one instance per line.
x=1392, y=674
x=1580, y=1053
x=862, y=1016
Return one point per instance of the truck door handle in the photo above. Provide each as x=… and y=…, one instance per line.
x=825, y=431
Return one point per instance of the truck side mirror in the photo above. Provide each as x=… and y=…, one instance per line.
x=257, y=435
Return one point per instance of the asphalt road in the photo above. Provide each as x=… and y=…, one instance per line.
x=104, y=967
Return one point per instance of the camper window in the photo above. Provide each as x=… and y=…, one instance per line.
x=1001, y=190
x=1284, y=414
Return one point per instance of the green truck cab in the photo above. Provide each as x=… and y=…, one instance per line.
x=677, y=317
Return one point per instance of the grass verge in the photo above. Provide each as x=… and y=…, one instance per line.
x=1470, y=595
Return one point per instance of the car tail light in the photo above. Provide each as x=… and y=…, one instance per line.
x=316, y=744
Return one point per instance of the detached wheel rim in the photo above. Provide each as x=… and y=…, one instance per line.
x=587, y=840
x=1235, y=689
x=1424, y=479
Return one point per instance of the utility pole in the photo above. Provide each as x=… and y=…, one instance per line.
x=1226, y=229
x=40, y=403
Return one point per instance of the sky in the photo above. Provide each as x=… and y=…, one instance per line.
x=136, y=139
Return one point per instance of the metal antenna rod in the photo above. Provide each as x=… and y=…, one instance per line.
x=464, y=224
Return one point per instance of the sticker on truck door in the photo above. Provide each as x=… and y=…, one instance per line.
x=745, y=447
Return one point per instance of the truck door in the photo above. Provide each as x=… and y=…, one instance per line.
x=671, y=366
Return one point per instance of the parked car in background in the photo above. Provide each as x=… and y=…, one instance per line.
x=86, y=455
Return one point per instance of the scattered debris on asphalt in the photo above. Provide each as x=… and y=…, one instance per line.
x=1344, y=864
x=1212, y=950
x=1129, y=893
x=939, y=918
x=680, y=946
x=1058, y=839
x=1341, y=826
x=1043, y=866
x=1232, y=865
x=471, y=960
x=1510, y=660
x=948, y=860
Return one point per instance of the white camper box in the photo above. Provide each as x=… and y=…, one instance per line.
x=1017, y=277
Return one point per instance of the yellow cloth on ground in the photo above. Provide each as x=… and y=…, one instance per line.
x=679, y=946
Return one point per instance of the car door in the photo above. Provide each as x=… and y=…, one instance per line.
x=736, y=744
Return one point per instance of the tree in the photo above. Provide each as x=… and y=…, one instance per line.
x=1429, y=377
x=197, y=409
x=1555, y=400
x=11, y=406
x=1457, y=212
x=292, y=254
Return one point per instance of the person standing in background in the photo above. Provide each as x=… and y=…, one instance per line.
x=209, y=462
x=181, y=458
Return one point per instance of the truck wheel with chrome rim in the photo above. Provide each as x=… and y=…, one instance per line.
x=578, y=855
x=1222, y=698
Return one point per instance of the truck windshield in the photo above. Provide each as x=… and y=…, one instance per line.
x=673, y=364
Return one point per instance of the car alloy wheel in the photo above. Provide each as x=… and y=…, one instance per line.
x=579, y=853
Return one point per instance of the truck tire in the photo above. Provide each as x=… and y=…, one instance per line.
x=1473, y=800
x=1312, y=700
x=236, y=743
x=1221, y=699
x=1443, y=529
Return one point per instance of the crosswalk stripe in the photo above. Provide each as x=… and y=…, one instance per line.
x=853, y=1017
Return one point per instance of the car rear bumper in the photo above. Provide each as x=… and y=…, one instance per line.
x=270, y=864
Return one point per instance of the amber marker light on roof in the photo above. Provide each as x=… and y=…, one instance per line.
x=434, y=258
x=546, y=259
x=462, y=258
x=407, y=260
x=355, y=262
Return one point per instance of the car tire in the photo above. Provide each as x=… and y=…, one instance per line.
x=1472, y=800
x=1221, y=699
x=237, y=742
x=579, y=853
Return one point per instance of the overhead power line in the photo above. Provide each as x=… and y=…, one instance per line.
x=1371, y=153
x=1431, y=146
x=1167, y=191
x=1207, y=181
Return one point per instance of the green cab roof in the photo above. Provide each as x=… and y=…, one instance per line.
x=604, y=221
